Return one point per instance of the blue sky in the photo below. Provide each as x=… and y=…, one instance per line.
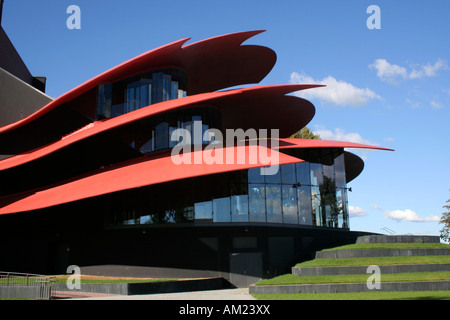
x=388, y=87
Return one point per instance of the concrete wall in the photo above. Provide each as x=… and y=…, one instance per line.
x=352, y=287
x=25, y=292
x=147, y=287
x=18, y=99
x=355, y=253
x=398, y=239
x=322, y=271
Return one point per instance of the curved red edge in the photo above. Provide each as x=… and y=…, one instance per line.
x=312, y=143
x=95, y=128
x=172, y=54
x=143, y=172
x=147, y=171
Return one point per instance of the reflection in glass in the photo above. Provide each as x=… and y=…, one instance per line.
x=273, y=203
x=115, y=99
x=254, y=176
x=339, y=168
x=288, y=174
x=328, y=171
x=203, y=211
x=257, y=202
x=316, y=208
x=244, y=196
x=162, y=136
x=221, y=210
x=289, y=204
x=273, y=178
x=239, y=208
x=304, y=205
x=316, y=174
x=303, y=175
x=328, y=202
x=340, y=207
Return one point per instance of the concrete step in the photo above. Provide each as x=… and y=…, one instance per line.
x=361, y=253
x=386, y=269
x=398, y=239
x=365, y=253
x=351, y=287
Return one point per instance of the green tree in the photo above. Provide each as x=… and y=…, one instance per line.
x=306, y=133
x=445, y=220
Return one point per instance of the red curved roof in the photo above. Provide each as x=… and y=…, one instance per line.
x=133, y=174
x=147, y=171
x=311, y=143
x=254, y=105
x=211, y=64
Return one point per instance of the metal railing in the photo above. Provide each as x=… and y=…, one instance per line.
x=389, y=231
x=39, y=283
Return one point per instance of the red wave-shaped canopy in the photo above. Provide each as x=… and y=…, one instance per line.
x=312, y=143
x=210, y=65
x=157, y=169
x=262, y=107
x=134, y=174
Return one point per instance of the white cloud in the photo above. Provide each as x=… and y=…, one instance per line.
x=356, y=211
x=408, y=215
x=413, y=104
x=336, y=92
x=377, y=207
x=429, y=70
x=393, y=73
x=389, y=72
x=342, y=135
x=436, y=105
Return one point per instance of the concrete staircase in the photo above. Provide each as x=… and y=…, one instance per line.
x=383, y=269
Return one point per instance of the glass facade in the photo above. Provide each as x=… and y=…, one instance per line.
x=307, y=193
x=158, y=133
x=115, y=99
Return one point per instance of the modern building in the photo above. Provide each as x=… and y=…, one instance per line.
x=153, y=168
x=21, y=93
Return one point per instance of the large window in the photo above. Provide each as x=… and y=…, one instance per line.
x=239, y=208
x=290, y=211
x=221, y=210
x=307, y=193
x=304, y=205
x=115, y=99
x=257, y=202
x=273, y=203
x=159, y=132
x=203, y=211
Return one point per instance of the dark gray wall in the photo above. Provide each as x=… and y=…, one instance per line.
x=18, y=99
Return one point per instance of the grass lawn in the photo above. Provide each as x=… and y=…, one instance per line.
x=375, y=261
x=100, y=279
x=355, y=278
x=290, y=279
x=392, y=246
x=376, y=295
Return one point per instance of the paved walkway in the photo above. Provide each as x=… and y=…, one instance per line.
x=226, y=294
